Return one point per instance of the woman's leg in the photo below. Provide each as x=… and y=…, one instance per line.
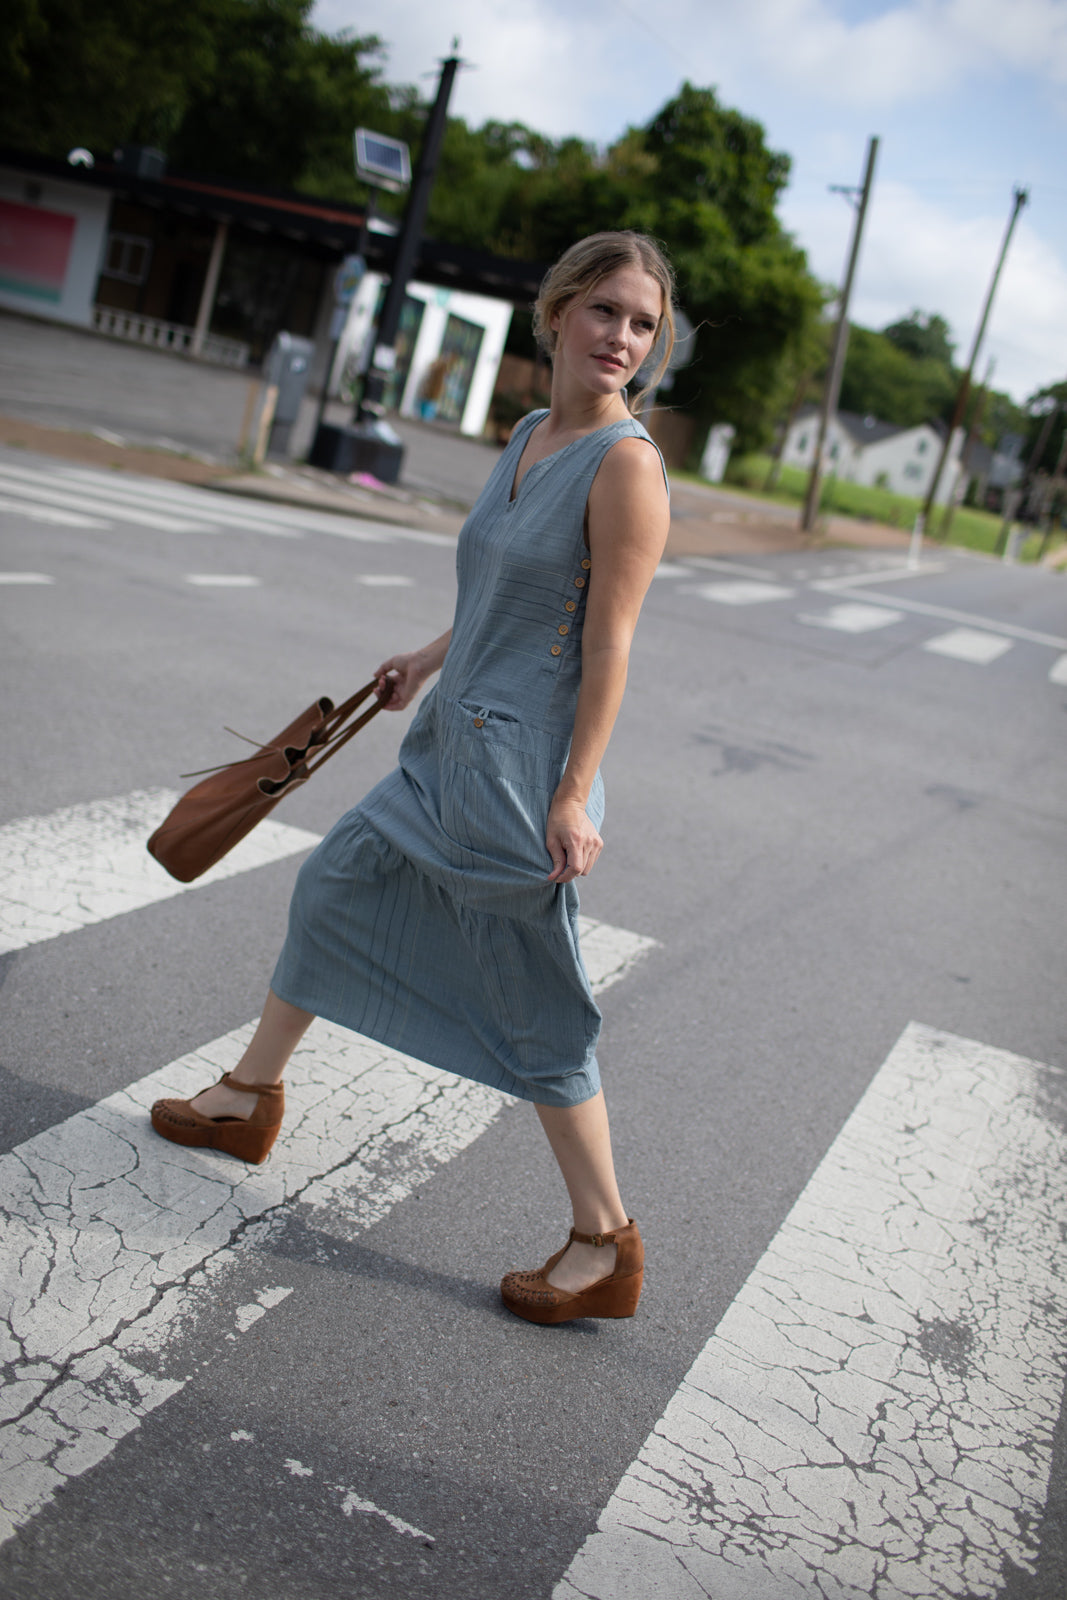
x=581, y=1143
x=278, y=1032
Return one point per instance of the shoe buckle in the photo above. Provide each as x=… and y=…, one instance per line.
x=596, y=1239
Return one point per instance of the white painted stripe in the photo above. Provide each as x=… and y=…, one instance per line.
x=744, y=569
x=853, y=617
x=222, y=580
x=116, y=1242
x=61, y=519
x=1058, y=671
x=187, y=501
x=85, y=863
x=740, y=593
x=874, y=1415
x=114, y=510
x=968, y=644
x=945, y=614
x=672, y=569
x=385, y=580
x=15, y=578
x=849, y=580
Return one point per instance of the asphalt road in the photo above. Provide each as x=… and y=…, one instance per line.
x=836, y=804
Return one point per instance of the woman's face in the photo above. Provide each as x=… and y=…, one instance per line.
x=605, y=336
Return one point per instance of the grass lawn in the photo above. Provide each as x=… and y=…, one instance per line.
x=976, y=530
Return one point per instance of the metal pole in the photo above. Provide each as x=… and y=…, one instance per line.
x=837, y=360
x=1020, y=199
x=383, y=361
x=210, y=289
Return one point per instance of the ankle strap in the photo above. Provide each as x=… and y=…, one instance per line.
x=599, y=1239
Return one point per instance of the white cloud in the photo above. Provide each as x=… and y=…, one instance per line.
x=915, y=254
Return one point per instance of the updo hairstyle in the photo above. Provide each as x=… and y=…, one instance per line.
x=576, y=275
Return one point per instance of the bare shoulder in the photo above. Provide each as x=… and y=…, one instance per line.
x=632, y=464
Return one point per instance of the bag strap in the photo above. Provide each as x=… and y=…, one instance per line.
x=339, y=734
x=330, y=743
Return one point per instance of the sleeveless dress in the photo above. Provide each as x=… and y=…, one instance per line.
x=423, y=920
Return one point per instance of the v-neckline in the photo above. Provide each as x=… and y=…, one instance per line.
x=515, y=492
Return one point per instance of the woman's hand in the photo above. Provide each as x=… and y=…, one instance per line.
x=573, y=842
x=401, y=677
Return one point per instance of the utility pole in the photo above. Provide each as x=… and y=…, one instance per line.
x=383, y=361
x=1019, y=200
x=837, y=360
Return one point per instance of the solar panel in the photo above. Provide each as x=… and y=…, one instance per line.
x=381, y=160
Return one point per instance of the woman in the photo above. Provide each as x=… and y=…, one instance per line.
x=440, y=916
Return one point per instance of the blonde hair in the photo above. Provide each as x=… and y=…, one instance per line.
x=579, y=270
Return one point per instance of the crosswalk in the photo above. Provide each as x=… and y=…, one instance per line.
x=874, y=1414
x=82, y=498
x=978, y=641
x=114, y=1244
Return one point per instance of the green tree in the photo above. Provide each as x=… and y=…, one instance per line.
x=882, y=380
x=922, y=335
x=98, y=72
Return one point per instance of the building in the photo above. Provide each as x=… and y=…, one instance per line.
x=213, y=269
x=876, y=454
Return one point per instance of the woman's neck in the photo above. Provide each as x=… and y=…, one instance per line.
x=582, y=413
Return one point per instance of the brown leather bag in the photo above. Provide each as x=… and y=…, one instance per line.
x=216, y=814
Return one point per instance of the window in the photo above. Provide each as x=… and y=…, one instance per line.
x=922, y=447
x=128, y=256
x=912, y=469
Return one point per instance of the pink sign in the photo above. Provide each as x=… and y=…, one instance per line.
x=34, y=250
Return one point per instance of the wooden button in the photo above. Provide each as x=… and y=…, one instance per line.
x=571, y=605
x=557, y=649
x=579, y=583
x=479, y=722
x=586, y=564
x=563, y=628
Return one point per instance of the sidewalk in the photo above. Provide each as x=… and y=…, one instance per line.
x=76, y=395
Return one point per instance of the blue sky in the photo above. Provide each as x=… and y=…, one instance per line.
x=968, y=97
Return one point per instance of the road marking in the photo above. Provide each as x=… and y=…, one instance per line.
x=116, y=512
x=945, y=614
x=741, y=567
x=385, y=580
x=853, y=617
x=1058, y=671
x=849, y=580
x=115, y=1242
x=741, y=593
x=16, y=578
x=222, y=580
x=875, y=1413
x=85, y=863
x=183, y=500
x=62, y=519
x=969, y=644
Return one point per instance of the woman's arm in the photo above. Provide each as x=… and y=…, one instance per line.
x=401, y=677
x=628, y=522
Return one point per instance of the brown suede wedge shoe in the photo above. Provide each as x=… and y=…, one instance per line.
x=249, y=1139
x=530, y=1295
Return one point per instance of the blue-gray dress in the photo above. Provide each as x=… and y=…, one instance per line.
x=423, y=919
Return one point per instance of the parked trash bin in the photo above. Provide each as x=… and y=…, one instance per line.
x=372, y=447
x=286, y=368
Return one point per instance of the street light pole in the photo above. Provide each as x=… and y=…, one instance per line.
x=383, y=361
x=837, y=360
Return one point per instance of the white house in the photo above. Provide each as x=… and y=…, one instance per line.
x=876, y=454
x=449, y=346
